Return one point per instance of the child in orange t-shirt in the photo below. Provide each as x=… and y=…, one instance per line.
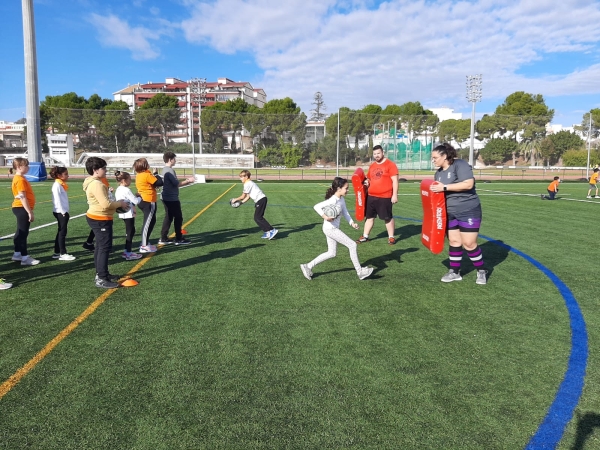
x=552, y=190
x=146, y=184
x=22, y=208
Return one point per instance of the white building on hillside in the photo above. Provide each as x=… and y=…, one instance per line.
x=61, y=149
x=446, y=113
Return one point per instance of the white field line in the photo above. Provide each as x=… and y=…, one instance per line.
x=537, y=195
x=8, y=236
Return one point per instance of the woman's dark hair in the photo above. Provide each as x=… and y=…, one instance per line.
x=56, y=170
x=338, y=183
x=94, y=163
x=120, y=176
x=447, y=150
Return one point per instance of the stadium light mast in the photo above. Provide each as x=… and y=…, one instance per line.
x=474, y=95
x=197, y=93
x=587, y=167
x=32, y=96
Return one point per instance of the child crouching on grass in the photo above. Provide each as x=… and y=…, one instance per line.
x=331, y=229
x=124, y=193
x=252, y=191
x=100, y=219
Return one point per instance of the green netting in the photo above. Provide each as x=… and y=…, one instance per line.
x=408, y=155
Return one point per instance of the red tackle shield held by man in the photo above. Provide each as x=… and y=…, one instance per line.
x=360, y=193
x=434, y=218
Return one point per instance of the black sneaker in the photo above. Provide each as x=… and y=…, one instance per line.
x=88, y=246
x=165, y=241
x=106, y=284
x=182, y=241
x=110, y=277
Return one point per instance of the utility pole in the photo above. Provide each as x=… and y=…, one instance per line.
x=34, y=134
x=474, y=94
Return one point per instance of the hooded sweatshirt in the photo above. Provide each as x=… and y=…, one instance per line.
x=100, y=206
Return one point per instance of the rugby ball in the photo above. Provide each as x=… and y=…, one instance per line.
x=332, y=210
x=121, y=210
x=234, y=204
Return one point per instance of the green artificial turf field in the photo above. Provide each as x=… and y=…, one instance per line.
x=225, y=345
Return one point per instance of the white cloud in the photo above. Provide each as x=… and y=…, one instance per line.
x=115, y=32
x=400, y=50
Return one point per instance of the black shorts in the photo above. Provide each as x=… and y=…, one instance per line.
x=381, y=207
x=467, y=221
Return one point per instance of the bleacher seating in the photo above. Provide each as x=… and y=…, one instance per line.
x=184, y=160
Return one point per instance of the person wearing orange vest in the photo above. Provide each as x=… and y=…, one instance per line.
x=552, y=190
x=146, y=184
x=22, y=208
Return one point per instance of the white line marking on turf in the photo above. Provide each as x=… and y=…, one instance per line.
x=537, y=195
x=8, y=236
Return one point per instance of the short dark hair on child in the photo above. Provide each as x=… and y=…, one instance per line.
x=141, y=164
x=56, y=171
x=168, y=156
x=557, y=178
x=94, y=163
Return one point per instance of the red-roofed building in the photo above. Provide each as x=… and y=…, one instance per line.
x=220, y=91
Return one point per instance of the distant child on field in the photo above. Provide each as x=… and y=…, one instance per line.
x=593, y=184
x=124, y=193
x=22, y=208
x=60, y=202
x=89, y=243
x=252, y=191
x=331, y=228
x=100, y=219
x=170, y=199
x=146, y=184
x=552, y=189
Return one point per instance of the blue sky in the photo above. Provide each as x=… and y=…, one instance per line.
x=355, y=52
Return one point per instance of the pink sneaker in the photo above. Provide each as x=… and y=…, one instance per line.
x=133, y=256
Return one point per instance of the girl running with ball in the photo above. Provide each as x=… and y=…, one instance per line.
x=331, y=228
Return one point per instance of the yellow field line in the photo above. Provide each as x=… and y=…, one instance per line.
x=19, y=374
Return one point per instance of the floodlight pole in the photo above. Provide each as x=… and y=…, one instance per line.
x=337, y=155
x=474, y=95
x=34, y=134
x=197, y=92
x=587, y=167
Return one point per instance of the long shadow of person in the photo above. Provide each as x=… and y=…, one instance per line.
x=286, y=233
x=382, y=262
x=585, y=428
x=494, y=253
x=223, y=253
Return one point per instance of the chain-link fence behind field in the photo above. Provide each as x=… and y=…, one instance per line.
x=406, y=140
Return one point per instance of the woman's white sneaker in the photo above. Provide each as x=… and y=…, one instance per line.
x=29, y=261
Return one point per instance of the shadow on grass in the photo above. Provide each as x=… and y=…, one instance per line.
x=586, y=423
x=217, y=254
x=383, y=261
x=493, y=255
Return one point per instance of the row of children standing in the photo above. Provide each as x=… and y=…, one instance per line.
x=102, y=205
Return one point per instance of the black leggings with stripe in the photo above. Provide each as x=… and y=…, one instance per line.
x=149, y=210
